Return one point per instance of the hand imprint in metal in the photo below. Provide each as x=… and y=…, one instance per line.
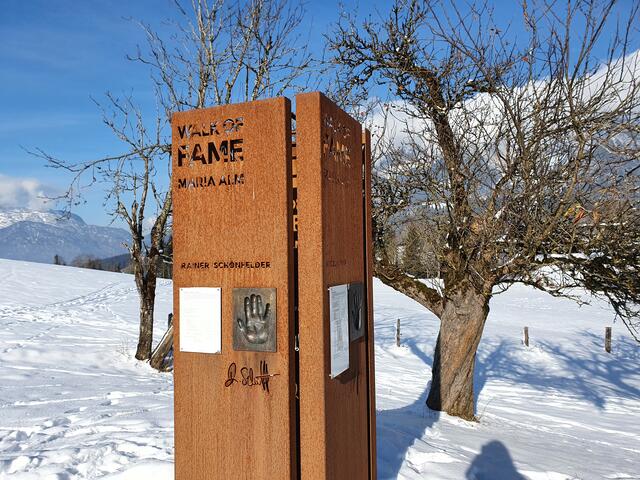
x=255, y=323
x=356, y=310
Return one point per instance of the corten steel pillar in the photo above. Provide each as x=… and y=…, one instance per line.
x=232, y=227
x=260, y=403
x=337, y=415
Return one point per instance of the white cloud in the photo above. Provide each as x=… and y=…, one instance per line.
x=23, y=192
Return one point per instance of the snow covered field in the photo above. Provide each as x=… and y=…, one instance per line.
x=74, y=404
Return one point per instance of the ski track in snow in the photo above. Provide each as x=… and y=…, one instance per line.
x=74, y=404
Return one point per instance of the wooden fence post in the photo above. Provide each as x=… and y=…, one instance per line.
x=526, y=336
x=162, y=350
x=607, y=339
x=398, y=333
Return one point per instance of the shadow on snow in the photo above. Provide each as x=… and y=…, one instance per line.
x=593, y=376
x=397, y=430
x=492, y=463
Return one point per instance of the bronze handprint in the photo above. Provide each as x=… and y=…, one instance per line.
x=357, y=312
x=255, y=323
x=254, y=319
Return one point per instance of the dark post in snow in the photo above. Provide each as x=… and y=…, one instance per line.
x=398, y=333
x=526, y=336
x=607, y=339
x=161, y=352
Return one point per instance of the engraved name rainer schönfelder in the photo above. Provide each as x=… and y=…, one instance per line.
x=224, y=264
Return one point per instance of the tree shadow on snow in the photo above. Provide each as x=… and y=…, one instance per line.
x=581, y=369
x=492, y=463
x=397, y=430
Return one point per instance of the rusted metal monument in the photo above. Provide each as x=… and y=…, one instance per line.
x=273, y=366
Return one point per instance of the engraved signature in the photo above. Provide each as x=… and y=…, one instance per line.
x=248, y=378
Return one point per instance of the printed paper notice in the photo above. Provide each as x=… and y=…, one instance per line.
x=339, y=329
x=200, y=320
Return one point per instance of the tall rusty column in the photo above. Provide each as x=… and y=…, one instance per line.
x=232, y=227
x=337, y=415
x=260, y=392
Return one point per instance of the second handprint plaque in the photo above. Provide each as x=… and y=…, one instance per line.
x=254, y=319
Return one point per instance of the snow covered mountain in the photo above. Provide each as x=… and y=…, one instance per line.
x=39, y=235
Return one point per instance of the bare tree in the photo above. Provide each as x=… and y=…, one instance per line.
x=215, y=52
x=518, y=150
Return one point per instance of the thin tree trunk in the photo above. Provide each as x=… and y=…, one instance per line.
x=461, y=326
x=145, y=338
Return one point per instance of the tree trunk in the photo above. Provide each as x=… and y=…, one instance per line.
x=146, y=284
x=145, y=338
x=461, y=325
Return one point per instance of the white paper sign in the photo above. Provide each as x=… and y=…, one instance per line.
x=201, y=320
x=339, y=329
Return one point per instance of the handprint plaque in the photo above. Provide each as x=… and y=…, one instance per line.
x=356, y=311
x=254, y=319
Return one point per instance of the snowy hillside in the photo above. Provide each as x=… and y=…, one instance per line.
x=74, y=404
x=39, y=235
x=9, y=216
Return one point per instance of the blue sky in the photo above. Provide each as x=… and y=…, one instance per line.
x=55, y=56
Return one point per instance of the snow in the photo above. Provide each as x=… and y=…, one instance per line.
x=560, y=409
x=75, y=404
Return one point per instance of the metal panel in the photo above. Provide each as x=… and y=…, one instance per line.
x=368, y=263
x=235, y=411
x=335, y=422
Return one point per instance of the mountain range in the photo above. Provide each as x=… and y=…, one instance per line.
x=38, y=236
